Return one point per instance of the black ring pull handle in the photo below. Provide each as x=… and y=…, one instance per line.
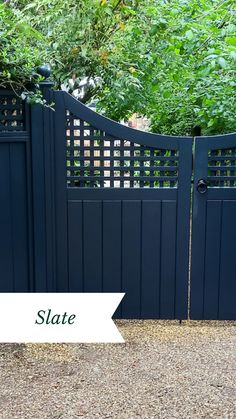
x=202, y=186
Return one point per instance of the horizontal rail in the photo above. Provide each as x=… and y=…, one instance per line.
x=123, y=178
x=7, y=128
x=222, y=167
x=223, y=178
x=115, y=194
x=125, y=168
x=140, y=148
x=125, y=158
x=11, y=139
x=91, y=137
x=11, y=117
x=222, y=158
x=11, y=107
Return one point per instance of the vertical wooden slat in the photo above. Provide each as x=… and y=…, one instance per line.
x=212, y=259
x=222, y=172
x=172, y=163
x=61, y=193
x=122, y=153
x=168, y=254
x=162, y=162
x=131, y=165
x=72, y=139
x=131, y=245
x=112, y=255
x=38, y=186
x=6, y=242
x=82, y=153
x=30, y=211
x=92, y=246
x=152, y=163
x=19, y=220
x=101, y=172
x=49, y=170
x=141, y=165
x=112, y=154
x=91, y=170
x=151, y=242
x=75, y=246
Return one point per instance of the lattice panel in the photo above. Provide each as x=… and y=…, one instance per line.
x=222, y=168
x=96, y=159
x=12, y=113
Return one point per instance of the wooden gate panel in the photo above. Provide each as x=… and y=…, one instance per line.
x=213, y=267
x=127, y=211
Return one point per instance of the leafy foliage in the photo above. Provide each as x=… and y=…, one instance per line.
x=171, y=61
x=79, y=35
x=19, y=53
x=184, y=62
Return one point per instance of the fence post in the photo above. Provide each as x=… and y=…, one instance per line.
x=42, y=140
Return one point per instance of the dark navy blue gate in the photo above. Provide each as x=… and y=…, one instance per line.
x=89, y=205
x=123, y=203
x=213, y=277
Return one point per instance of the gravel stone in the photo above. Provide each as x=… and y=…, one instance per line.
x=163, y=371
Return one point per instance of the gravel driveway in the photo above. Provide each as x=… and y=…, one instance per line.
x=164, y=370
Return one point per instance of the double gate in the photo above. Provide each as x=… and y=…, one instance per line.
x=89, y=205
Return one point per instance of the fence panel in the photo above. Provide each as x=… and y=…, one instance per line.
x=16, y=251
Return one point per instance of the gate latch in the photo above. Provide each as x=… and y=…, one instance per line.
x=202, y=186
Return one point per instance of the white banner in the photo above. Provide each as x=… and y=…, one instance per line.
x=59, y=317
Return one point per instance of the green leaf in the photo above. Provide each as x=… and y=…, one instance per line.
x=230, y=40
x=211, y=123
x=166, y=94
x=153, y=30
x=189, y=35
x=222, y=62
